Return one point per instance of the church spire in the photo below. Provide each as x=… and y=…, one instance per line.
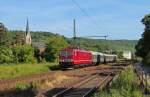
x=28, y=35
x=27, y=27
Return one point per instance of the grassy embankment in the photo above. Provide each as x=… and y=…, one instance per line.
x=126, y=85
x=16, y=70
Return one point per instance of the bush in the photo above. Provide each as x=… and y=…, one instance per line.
x=125, y=79
x=23, y=54
x=22, y=86
x=17, y=54
x=6, y=55
x=126, y=85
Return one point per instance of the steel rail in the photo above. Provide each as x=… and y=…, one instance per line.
x=85, y=93
x=60, y=94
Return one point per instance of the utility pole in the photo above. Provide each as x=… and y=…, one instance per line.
x=74, y=32
x=74, y=29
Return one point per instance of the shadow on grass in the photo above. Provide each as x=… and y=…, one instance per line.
x=18, y=93
x=54, y=67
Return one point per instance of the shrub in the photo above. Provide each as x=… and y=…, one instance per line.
x=22, y=86
x=6, y=55
x=126, y=85
x=125, y=79
x=23, y=54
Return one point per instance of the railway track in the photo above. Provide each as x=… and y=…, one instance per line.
x=86, y=87
x=83, y=81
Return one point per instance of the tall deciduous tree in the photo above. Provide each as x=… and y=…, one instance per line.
x=19, y=38
x=4, y=38
x=54, y=45
x=143, y=46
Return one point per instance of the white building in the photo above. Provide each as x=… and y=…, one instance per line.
x=127, y=54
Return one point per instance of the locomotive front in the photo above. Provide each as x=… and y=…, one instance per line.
x=66, y=58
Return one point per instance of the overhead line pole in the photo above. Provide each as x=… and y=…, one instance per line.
x=74, y=33
x=74, y=29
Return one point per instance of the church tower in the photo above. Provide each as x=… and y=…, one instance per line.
x=28, y=34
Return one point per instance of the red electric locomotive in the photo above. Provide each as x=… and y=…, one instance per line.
x=73, y=57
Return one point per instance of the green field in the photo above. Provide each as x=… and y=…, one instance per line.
x=16, y=70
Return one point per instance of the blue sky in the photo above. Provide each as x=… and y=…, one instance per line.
x=118, y=18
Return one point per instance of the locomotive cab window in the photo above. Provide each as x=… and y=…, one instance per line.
x=65, y=53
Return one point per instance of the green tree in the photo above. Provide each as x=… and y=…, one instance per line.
x=143, y=46
x=19, y=38
x=4, y=36
x=54, y=45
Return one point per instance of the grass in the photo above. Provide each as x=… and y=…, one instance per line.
x=16, y=70
x=126, y=85
x=22, y=86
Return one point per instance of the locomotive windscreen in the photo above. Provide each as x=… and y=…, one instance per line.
x=65, y=53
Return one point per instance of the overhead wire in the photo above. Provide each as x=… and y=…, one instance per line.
x=87, y=15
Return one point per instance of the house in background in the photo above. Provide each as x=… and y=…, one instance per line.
x=127, y=55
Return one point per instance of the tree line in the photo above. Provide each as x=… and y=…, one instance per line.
x=14, y=50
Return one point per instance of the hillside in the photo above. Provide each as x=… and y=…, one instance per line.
x=89, y=44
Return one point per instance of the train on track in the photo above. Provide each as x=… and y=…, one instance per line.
x=71, y=57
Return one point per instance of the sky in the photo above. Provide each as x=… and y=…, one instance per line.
x=120, y=19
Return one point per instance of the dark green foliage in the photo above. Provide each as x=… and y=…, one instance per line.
x=104, y=45
x=19, y=38
x=54, y=45
x=143, y=46
x=89, y=44
x=147, y=59
x=5, y=39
